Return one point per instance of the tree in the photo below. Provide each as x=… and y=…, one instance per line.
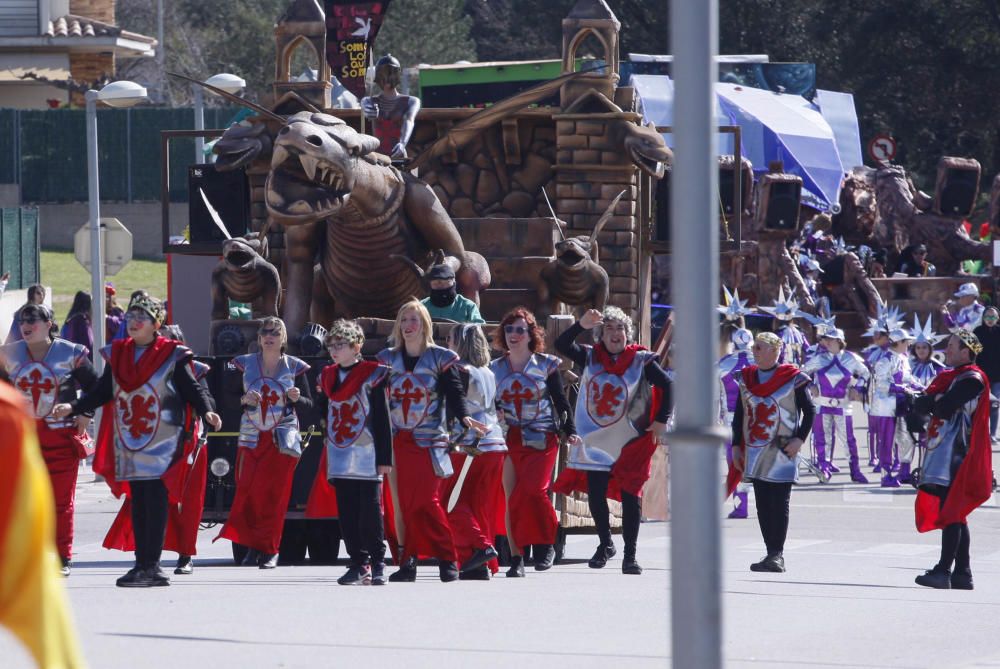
x=426, y=31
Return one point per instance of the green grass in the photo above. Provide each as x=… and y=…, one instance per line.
x=65, y=275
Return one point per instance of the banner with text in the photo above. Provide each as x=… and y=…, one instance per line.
x=351, y=28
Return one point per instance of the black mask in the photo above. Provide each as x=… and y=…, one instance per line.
x=443, y=297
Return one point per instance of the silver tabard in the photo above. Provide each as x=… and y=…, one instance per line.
x=274, y=413
x=524, y=398
x=48, y=381
x=350, y=443
x=948, y=440
x=414, y=403
x=768, y=423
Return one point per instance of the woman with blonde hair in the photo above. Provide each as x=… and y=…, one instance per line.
x=473, y=506
x=423, y=378
x=274, y=387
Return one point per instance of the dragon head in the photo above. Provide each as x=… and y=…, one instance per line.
x=647, y=149
x=573, y=252
x=240, y=253
x=241, y=144
x=314, y=167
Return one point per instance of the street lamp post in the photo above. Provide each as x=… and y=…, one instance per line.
x=115, y=94
x=230, y=83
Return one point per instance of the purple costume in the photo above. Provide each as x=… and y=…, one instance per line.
x=794, y=344
x=730, y=369
x=892, y=378
x=834, y=375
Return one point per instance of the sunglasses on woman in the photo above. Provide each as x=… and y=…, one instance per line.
x=515, y=329
x=31, y=320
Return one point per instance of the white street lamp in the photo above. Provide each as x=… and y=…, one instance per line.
x=230, y=83
x=118, y=94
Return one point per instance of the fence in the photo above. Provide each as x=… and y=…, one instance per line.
x=45, y=151
x=19, y=245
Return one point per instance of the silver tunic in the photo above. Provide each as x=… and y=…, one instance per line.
x=350, y=442
x=46, y=382
x=768, y=423
x=944, y=435
x=274, y=413
x=414, y=403
x=524, y=399
x=480, y=400
x=611, y=411
x=149, y=422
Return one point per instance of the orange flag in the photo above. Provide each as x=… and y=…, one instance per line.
x=33, y=603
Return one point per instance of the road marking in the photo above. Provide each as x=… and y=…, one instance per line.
x=903, y=550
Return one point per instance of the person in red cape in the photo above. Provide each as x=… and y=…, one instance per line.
x=772, y=419
x=269, y=445
x=46, y=371
x=957, y=474
x=150, y=386
x=358, y=449
x=535, y=411
x=423, y=379
x=188, y=474
x=618, y=429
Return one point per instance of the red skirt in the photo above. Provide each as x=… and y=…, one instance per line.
x=421, y=501
x=322, y=502
x=532, y=518
x=263, y=487
x=62, y=450
x=473, y=518
x=629, y=473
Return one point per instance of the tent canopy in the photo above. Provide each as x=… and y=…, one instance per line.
x=774, y=126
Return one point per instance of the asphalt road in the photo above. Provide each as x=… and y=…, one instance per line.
x=847, y=600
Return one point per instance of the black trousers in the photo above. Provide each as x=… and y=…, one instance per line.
x=360, y=507
x=772, y=513
x=597, y=499
x=955, y=540
x=149, y=521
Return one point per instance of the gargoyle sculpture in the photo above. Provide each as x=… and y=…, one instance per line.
x=574, y=276
x=244, y=276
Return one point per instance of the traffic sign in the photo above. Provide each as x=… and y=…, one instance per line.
x=116, y=245
x=882, y=148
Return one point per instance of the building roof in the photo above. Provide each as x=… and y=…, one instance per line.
x=81, y=34
x=81, y=26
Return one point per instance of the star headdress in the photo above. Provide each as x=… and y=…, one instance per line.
x=734, y=308
x=784, y=309
x=924, y=334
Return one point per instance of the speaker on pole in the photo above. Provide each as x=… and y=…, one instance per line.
x=228, y=193
x=957, y=186
x=778, y=203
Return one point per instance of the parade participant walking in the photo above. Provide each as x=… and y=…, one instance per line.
x=617, y=382
x=892, y=380
x=956, y=476
x=474, y=492
x=988, y=334
x=48, y=371
x=270, y=444
x=771, y=421
x=794, y=342
x=838, y=376
x=965, y=311
x=445, y=302
x=148, y=378
x=358, y=454
x=923, y=366
x=535, y=411
x=878, y=330
x=731, y=366
x=188, y=475
x=423, y=378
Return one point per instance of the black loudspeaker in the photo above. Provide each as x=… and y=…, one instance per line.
x=227, y=192
x=661, y=225
x=778, y=204
x=727, y=178
x=957, y=186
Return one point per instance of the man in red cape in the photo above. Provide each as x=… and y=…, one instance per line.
x=956, y=476
x=772, y=418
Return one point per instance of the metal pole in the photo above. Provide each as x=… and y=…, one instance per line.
x=696, y=484
x=96, y=256
x=199, y=124
x=160, y=55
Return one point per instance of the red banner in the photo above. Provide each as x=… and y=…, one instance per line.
x=351, y=28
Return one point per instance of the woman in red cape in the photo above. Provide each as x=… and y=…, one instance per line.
x=957, y=474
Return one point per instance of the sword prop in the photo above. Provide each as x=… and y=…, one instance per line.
x=214, y=214
x=471, y=451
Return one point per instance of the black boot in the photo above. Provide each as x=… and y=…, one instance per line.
x=157, y=576
x=774, y=562
x=603, y=553
x=481, y=573
x=479, y=558
x=184, y=565
x=357, y=574
x=448, y=571
x=407, y=572
x=516, y=567
x=938, y=578
x=378, y=573
x=961, y=579
x=267, y=560
x=545, y=557
x=629, y=565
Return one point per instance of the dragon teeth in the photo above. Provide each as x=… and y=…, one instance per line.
x=309, y=165
x=278, y=156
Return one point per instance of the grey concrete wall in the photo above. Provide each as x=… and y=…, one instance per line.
x=59, y=222
x=10, y=195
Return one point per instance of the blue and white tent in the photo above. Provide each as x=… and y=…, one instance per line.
x=819, y=141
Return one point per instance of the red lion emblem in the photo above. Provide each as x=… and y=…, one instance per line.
x=762, y=421
x=606, y=399
x=138, y=415
x=346, y=422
